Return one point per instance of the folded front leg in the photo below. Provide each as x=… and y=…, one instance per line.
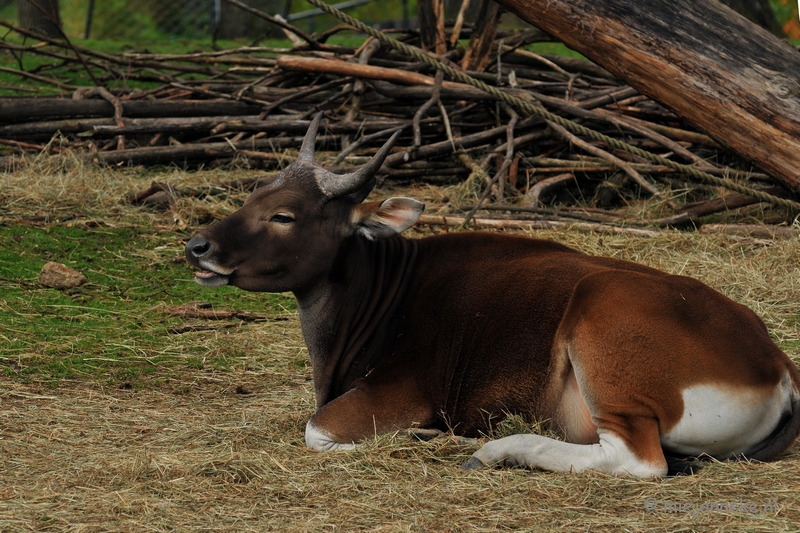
x=365, y=411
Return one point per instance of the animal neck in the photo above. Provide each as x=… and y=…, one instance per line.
x=344, y=316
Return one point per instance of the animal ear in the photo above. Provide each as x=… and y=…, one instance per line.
x=379, y=220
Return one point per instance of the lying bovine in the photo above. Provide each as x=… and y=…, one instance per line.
x=632, y=365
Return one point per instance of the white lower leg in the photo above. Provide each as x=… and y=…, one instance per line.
x=611, y=456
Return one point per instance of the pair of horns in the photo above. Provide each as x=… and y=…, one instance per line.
x=335, y=185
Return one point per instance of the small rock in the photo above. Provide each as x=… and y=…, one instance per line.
x=60, y=276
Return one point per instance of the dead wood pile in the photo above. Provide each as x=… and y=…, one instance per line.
x=255, y=103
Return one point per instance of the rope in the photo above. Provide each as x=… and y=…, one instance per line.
x=539, y=111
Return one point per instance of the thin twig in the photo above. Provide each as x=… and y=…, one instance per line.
x=509, y=147
x=38, y=78
x=283, y=24
x=362, y=141
x=459, y=23
x=302, y=94
x=437, y=89
x=486, y=191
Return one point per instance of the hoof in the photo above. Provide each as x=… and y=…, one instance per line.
x=423, y=434
x=473, y=464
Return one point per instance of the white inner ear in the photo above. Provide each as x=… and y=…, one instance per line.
x=394, y=216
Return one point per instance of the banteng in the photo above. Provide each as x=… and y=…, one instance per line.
x=632, y=365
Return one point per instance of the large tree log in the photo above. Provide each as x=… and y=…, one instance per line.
x=721, y=72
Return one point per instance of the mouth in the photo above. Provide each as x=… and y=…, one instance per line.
x=212, y=278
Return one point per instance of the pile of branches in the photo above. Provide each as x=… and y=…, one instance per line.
x=209, y=108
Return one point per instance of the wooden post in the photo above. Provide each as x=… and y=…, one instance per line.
x=479, y=51
x=721, y=72
x=40, y=16
x=431, y=25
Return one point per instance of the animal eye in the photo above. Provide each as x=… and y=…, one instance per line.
x=281, y=218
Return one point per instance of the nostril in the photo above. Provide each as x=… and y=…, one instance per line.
x=198, y=246
x=201, y=249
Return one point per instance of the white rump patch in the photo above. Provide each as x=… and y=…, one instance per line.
x=725, y=421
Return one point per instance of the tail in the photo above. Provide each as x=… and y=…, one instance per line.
x=682, y=466
x=787, y=430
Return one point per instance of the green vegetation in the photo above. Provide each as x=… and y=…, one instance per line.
x=786, y=11
x=558, y=49
x=113, y=327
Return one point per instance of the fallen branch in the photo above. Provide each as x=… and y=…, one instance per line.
x=752, y=230
x=178, y=154
x=342, y=68
x=726, y=203
x=205, y=311
x=458, y=222
x=545, y=186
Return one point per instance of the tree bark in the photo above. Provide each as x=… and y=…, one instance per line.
x=40, y=16
x=721, y=72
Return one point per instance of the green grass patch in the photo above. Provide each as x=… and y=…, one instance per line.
x=558, y=49
x=113, y=328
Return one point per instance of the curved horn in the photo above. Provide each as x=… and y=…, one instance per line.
x=307, y=149
x=334, y=185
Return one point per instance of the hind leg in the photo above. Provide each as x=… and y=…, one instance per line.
x=638, y=453
x=658, y=361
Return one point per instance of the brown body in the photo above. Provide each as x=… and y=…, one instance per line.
x=455, y=331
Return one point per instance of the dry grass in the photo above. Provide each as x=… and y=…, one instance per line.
x=224, y=451
x=66, y=186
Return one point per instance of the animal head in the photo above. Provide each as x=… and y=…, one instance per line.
x=287, y=234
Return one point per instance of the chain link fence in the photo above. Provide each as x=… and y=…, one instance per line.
x=149, y=19
x=153, y=20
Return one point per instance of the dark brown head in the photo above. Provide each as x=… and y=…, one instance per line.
x=287, y=234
